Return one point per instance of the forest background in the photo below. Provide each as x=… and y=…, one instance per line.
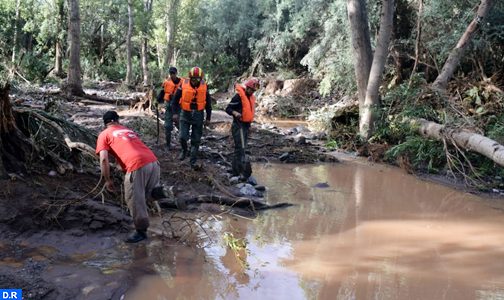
x=77, y=44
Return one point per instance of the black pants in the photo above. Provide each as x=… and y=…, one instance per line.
x=239, y=152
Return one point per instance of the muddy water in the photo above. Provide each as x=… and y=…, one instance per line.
x=356, y=232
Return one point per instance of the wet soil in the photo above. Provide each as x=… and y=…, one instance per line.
x=48, y=220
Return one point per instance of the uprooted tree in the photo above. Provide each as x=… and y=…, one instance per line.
x=31, y=139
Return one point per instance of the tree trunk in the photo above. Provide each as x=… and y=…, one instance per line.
x=129, y=74
x=74, y=68
x=456, y=54
x=372, y=101
x=361, y=44
x=462, y=138
x=15, y=38
x=145, y=66
x=13, y=148
x=171, y=26
x=102, y=44
x=58, y=56
x=145, y=53
x=417, y=40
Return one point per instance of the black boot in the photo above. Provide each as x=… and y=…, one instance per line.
x=194, y=155
x=137, y=236
x=183, y=150
x=168, y=141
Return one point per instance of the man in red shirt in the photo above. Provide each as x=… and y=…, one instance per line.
x=140, y=164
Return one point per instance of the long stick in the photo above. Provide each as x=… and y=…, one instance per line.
x=157, y=120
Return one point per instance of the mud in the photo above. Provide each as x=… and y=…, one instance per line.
x=49, y=221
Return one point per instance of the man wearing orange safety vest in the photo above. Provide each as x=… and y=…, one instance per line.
x=242, y=108
x=189, y=101
x=170, y=86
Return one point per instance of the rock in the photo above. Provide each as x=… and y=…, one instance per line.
x=252, y=180
x=52, y=173
x=234, y=180
x=284, y=156
x=96, y=225
x=260, y=188
x=300, y=139
x=248, y=190
x=321, y=185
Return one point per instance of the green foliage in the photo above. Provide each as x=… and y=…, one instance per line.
x=330, y=57
x=423, y=153
x=332, y=145
x=34, y=67
x=495, y=129
x=238, y=246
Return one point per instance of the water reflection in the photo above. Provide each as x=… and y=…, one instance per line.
x=373, y=233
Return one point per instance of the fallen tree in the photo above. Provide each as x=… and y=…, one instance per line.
x=462, y=138
x=31, y=139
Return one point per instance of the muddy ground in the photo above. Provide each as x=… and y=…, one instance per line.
x=49, y=220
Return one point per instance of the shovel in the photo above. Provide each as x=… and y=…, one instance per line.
x=246, y=168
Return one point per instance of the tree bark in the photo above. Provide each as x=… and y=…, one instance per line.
x=13, y=147
x=361, y=44
x=465, y=139
x=145, y=44
x=58, y=56
x=129, y=74
x=456, y=54
x=372, y=101
x=15, y=38
x=417, y=39
x=171, y=26
x=74, y=68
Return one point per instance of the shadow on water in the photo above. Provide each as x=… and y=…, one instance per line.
x=356, y=232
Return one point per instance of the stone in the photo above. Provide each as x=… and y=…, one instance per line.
x=284, y=156
x=96, y=225
x=300, y=139
x=234, y=180
x=260, y=188
x=252, y=180
x=248, y=190
x=321, y=185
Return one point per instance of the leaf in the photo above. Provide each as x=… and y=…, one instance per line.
x=480, y=110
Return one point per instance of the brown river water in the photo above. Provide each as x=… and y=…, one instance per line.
x=356, y=231
x=369, y=232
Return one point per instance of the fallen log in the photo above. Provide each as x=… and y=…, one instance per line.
x=87, y=97
x=463, y=138
x=244, y=203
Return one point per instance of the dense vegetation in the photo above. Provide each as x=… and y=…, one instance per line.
x=284, y=39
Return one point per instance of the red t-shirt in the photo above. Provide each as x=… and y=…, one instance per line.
x=126, y=146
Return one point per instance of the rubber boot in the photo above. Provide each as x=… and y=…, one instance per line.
x=168, y=140
x=137, y=236
x=194, y=154
x=183, y=150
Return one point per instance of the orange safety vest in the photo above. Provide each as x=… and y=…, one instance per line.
x=248, y=104
x=192, y=95
x=170, y=88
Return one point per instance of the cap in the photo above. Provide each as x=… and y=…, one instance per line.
x=110, y=116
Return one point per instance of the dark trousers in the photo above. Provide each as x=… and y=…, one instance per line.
x=191, y=120
x=168, y=122
x=239, y=151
